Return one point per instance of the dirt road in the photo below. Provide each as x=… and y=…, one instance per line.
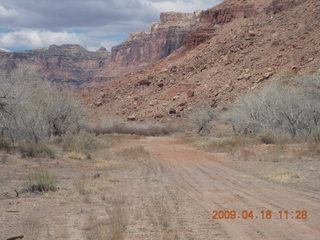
x=213, y=185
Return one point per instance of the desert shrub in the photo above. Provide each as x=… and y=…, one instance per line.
x=268, y=137
x=282, y=108
x=315, y=135
x=201, y=119
x=117, y=125
x=33, y=149
x=83, y=143
x=30, y=108
x=42, y=181
x=4, y=144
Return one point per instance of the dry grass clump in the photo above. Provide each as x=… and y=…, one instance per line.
x=42, y=181
x=285, y=176
x=33, y=149
x=310, y=151
x=76, y=156
x=83, y=143
x=224, y=144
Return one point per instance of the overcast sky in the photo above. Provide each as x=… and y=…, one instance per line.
x=29, y=24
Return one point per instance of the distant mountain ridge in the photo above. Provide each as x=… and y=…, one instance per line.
x=66, y=64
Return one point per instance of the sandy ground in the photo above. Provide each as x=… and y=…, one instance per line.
x=168, y=194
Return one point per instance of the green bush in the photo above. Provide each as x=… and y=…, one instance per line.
x=42, y=181
x=33, y=149
x=83, y=143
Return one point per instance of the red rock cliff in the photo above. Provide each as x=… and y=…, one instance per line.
x=70, y=64
x=145, y=47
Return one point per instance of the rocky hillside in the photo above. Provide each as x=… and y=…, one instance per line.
x=236, y=47
x=66, y=64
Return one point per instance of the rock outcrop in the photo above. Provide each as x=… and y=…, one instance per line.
x=66, y=64
x=282, y=5
x=145, y=47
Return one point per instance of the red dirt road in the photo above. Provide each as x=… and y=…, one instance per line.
x=213, y=185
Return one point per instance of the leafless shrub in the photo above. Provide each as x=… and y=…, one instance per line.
x=282, y=108
x=120, y=126
x=4, y=144
x=30, y=108
x=315, y=135
x=202, y=119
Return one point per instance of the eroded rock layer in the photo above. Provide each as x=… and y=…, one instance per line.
x=66, y=64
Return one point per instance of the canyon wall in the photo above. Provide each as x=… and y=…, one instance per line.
x=145, y=47
x=66, y=64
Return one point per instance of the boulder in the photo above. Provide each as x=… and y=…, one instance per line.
x=172, y=111
x=131, y=118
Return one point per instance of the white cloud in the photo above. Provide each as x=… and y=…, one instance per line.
x=3, y=49
x=7, y=13
x=39, y=39
x=94, y=23
x=36, y=39
x=181, y=5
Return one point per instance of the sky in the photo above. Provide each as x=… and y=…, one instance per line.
x=31, y=24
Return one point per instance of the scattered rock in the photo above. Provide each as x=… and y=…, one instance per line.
x=175, y=98
x=172, y=111
x=99, y=103
x=252, y=33
x=131, y=118
x=182, y=104
x=267, y=75
x=16, y=237
x=190, y=94
x=158, y=116
x=144, y=82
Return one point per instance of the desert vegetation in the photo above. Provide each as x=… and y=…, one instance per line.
x=31, y=109
x=285, y=109
x=118, y=125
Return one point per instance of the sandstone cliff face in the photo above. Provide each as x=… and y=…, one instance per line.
x=210, y=20
x=145, y=47
x=70, y=64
